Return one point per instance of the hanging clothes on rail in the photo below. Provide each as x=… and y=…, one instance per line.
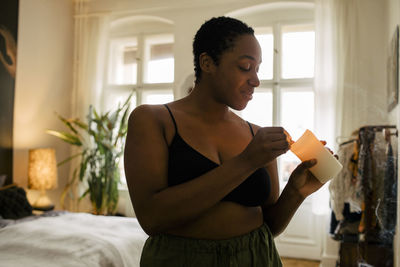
x=367, y=185
x=344, y=200
x=373, y=166
x=343, y=187
x=368, y=181
x=389, y=203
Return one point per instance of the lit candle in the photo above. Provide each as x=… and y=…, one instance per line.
x=309, y=147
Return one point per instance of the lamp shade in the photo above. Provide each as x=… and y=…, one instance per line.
x=42, y=169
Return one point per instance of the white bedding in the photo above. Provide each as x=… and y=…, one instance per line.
x=72, y=239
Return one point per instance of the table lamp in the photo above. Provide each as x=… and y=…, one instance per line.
x=42, y=175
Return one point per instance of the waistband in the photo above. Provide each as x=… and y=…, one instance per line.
x=261, y=235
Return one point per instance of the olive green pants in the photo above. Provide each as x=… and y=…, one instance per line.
x=255, y=249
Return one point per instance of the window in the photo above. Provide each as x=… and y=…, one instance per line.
x=159, y=59
x=142, y=64
x=266, y=39
x=297, y=51
x=156, y=97
x=123, y=62
x=259, y=109
x=285, y=96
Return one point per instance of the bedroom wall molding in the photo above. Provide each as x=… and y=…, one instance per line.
x=123, y=7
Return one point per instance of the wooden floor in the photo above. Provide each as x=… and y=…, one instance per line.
x=287, y=262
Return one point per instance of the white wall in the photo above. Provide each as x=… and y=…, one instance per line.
x=43, y=83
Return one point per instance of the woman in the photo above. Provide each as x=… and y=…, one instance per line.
x=204, y=182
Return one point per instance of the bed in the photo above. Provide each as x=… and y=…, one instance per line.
x=60, y=238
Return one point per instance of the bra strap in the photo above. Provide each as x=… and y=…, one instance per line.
x=172, y=117
x=251, y=128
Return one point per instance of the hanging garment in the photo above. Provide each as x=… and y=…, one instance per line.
x=365, y=172
x=342, y=188
x=372, y=167
x=389, y=203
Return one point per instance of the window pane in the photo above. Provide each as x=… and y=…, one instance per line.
x=297, y=109
x=157, y=97
x=161, y=71
x=114, y=97
x=259, y=109
x=298, y=47
x=160, y=59
x=123, y=61
x=129, y=66
x=266, y=40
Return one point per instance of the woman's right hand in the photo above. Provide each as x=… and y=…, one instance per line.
x=268, y=143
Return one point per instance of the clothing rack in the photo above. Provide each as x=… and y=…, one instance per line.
x=375, y=128
x=374, y=244
x=348, y=142
x=379, y=128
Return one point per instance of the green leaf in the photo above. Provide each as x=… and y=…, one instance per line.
x=122, y=126
x=96, y=115
x=83, y=166
x=68, y=159
x=128, y=100
x=84, y=194
x=80, y=124
x=66, y=137
x=67, y=122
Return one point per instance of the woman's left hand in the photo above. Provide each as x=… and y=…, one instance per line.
x=302, y=180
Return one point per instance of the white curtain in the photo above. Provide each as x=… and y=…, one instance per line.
x=325, y=70
x=350, y=69
x=90, y=44
x=351, y=97
x=91, y=34
x=326, y=84
x=361, y=43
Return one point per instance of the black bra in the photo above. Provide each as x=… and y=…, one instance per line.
x=185, y=163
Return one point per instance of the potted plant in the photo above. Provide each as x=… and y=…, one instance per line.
x=100, y=142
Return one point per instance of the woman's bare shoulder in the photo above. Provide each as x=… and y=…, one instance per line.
x=147, y=110
x=152, y=119
x=148, y=114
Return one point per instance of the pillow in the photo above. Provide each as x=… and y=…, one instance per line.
x=13, y=203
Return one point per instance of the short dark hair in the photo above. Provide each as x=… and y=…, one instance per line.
x=216, y=36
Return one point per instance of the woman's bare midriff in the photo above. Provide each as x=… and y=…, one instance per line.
x=224, y=220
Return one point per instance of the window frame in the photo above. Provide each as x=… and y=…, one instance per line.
x=140, y=85
x=277, y=82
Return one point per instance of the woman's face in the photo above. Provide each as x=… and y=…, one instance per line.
x=236, y=75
